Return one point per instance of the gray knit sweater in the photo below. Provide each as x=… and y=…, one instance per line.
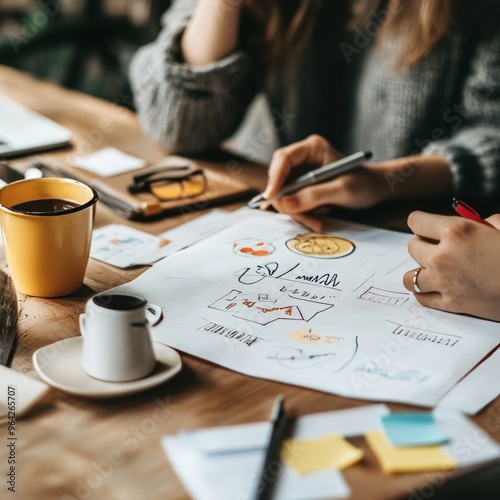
x=448, y=103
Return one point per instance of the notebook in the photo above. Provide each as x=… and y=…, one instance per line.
x=24, y=131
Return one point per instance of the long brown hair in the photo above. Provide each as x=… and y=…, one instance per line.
x=287, y=25
x=419, y=25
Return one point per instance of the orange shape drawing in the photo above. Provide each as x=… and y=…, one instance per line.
x=305, y=335
x=321, y=246
x=251, y=247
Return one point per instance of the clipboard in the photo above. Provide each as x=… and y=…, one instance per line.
x=223, y=187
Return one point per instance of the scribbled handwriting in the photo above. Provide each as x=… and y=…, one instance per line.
x=444, y=339
x=391, y=372
x=229, y=333
x=252, y=275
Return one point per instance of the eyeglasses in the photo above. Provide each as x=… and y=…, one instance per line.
x=171, y=183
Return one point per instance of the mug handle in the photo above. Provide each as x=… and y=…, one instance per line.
x=82, y=324
x=154, y=314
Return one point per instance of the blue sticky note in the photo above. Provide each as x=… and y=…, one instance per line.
x=412, y=429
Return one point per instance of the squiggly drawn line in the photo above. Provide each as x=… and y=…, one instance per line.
x=349, y=360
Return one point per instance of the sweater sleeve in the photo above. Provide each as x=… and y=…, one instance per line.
x=473, y=150
x=188, y=109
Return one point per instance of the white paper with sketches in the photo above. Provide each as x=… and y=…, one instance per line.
x=328, y=313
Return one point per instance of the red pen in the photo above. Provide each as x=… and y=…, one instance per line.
x=467, y=212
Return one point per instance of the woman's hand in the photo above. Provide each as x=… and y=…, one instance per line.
x=363, y=187
x=460, y=262
x=359, y=189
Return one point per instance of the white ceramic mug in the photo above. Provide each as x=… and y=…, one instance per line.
x=117, y=344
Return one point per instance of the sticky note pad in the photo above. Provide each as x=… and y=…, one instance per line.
x=418, y=459
x=311, y=455
x=110, y=161
x=412, y=429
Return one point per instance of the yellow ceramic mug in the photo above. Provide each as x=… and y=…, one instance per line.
x=47, y=245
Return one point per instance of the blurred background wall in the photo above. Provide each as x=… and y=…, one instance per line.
x=81, y=44
x=87, y=45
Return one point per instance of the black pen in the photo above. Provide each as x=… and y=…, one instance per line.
x=321, y=174
x=272, y=463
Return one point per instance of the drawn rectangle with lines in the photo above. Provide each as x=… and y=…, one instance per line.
x=385, y=297
x=445, y=339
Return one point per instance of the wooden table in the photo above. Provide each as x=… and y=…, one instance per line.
x=71, y=447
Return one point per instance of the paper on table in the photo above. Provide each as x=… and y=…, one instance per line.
x=467, y=443
x=477, y=389
x=110, y=161
x=223, y=462
x=123, y=246
x=341, y=325
x=412, y=429
x=24, y=390
x=229, y=476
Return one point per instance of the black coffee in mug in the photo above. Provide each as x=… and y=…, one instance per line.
x=46, y=206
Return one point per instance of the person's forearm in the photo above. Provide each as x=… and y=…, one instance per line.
x=416, y=176
x=212, y=32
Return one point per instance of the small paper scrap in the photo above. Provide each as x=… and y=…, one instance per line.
x=312, y=455
x=123, y=246
x=412, y=429
x=110, y=161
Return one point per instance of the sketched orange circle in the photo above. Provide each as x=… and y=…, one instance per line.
x=251, y=247
x=320, y=246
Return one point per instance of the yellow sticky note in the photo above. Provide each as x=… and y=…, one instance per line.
x=310, y=455
x=414, y=459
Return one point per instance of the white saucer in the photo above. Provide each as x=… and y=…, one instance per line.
x=59, y=365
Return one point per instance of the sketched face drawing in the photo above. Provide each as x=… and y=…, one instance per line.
x=320, y=246
x=252, y=247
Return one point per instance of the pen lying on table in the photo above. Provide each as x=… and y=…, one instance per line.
x=281, y=426
x=321, y=174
